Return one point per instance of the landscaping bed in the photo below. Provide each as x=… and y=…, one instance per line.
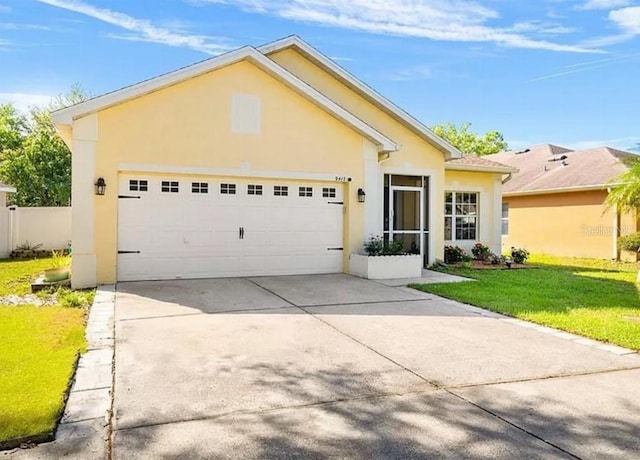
x=594, y=298
x=42, y=336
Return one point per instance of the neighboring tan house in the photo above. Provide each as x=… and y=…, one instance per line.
x=555, y=204
x=4, y=189
x=262, y=161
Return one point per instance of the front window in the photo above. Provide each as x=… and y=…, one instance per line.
x=505, y=219
x=461, y=216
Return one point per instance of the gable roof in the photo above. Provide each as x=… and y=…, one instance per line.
x=363, y=90
x=475, y=163
x=67, y=115
x=549, y=168
x=7, y=188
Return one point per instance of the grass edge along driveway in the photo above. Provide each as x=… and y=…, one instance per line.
x=37, y=356
x=594, y=298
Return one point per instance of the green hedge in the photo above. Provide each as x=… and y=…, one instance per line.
x=629, y=242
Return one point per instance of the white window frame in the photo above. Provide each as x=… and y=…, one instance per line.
x=504, y=220
x=454, y=215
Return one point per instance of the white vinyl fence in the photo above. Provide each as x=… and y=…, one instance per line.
x=50, y=227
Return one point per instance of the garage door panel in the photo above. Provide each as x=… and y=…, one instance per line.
x=197, y=235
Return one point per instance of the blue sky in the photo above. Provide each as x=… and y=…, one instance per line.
x=558, y=71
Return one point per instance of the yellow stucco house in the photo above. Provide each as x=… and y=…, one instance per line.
x=262, y=161
x=555, y=204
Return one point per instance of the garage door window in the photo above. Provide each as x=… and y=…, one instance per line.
x=138, y=185
x=199, y=187
x=170, y=187
x=254, y=189
x=305, y=191
x=328, y=192
x=280, y=190
x=228, y=189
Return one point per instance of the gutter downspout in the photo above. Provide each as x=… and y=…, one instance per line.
x=507, y=179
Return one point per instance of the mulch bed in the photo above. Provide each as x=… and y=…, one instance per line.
x=479, y=265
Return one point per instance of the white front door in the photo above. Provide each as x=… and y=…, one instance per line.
x=182, y=227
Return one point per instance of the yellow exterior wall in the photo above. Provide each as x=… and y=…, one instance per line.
x=489, y=186
x=189, y=124
x=414, y=151
x=575, y=224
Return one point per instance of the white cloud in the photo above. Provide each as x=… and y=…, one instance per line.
x=144, y=30
x=17, y=26
x=603, y=4
x=628, y=19
x=621, y=143
x=584, y=67
x=411, y=74
x=24, y=101
x=442, y=20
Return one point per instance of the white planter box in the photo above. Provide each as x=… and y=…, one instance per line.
x=385, y=267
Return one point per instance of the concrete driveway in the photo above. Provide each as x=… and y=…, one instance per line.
x=337, y=366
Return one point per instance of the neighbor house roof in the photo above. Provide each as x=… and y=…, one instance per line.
x=7, y=188
x=474, y=163
x=67, y=115
x=549, y=168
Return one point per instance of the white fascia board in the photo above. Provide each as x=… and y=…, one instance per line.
x=369, y=93
x=549, y=191
x=67, y=115
x=473, y=168
x=7, y=189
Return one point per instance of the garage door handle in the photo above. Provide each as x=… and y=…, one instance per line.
x=241, y=233
x=128, y=252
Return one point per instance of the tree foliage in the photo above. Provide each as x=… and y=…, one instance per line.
x=625, y=189
x=33, y=158
x=469, y=142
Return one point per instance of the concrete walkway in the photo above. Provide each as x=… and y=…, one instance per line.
x=428, y=277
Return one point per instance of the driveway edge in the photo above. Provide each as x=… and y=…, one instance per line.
x=85, y=426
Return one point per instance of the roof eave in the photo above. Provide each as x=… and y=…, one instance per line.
x=474, y=168
x=549, y=191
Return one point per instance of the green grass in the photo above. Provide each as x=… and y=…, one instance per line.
x=16, y=275
x=593, y=298
x=38, y=347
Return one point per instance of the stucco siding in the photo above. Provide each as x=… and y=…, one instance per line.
x=189, y=124
x=489, y=188
x=576, y=224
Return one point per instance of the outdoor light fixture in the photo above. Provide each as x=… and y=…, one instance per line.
x=361, y=195
x=101, y=186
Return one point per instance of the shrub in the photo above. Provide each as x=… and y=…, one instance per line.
x=519, y=255
x=453, y=254
x=75, y=299
x=496, y=259
x=629, y=242
x=481, y=252
x=377, y=246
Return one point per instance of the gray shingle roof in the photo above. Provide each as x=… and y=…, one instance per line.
x=549, y=167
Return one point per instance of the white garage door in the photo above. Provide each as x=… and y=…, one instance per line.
x=177, y=227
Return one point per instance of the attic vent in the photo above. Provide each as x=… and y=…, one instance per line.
x=560, y=158
x=523, y=151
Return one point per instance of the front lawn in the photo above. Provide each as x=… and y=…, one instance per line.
x=593, y=298
x=39, y=346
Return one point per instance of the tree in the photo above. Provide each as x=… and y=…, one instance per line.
x=625, y=189
x=469, y=142
x=33, y=158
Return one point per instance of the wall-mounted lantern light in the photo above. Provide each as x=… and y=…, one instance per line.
x=101, y=186
x=361, y=195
